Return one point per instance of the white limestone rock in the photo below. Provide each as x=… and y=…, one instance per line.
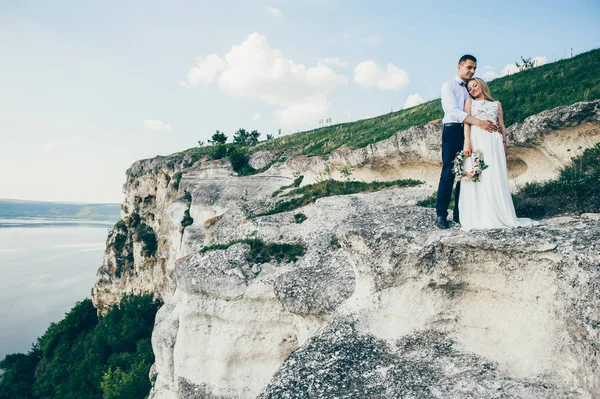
x=394, y=308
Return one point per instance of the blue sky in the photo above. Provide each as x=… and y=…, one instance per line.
x=87, y=88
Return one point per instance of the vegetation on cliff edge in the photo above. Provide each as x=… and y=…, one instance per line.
x=310, y=193
x=261, y=252
x=86, y=356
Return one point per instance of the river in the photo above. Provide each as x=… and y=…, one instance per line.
x=45, y=267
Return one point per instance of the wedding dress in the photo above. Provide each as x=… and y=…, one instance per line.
x=487, y=204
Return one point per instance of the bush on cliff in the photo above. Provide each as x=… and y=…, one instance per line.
x=145, y=234
x=576, y=191
x=86, y=356
x=311, y=192
x=261, y=252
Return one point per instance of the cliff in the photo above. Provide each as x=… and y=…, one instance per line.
x=380, y=304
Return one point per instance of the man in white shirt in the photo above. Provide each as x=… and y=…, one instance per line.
x=454, y=95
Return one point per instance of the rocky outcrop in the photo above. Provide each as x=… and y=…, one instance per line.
x=384, y=306
x=381, y=304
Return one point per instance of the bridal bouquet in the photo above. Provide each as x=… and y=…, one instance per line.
x=478, y=166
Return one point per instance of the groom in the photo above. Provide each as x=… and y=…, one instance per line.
x=454, y=95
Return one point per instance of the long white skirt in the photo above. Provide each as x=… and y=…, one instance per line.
x=487, y=204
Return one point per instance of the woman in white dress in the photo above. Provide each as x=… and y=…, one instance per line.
x=487, y=204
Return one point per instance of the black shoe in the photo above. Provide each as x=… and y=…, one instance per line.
x=441, y=222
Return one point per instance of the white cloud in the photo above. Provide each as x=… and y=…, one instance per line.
x=276, y=12
x=413, y=100
x=157, y=126
x=205, y=70
x=310, y=110
x=367, y=74
x=254, y=70
x=510, y=69
x=256, y=116
x=334, y=61
x=540, y=60
x=489, y=75
x=49, y=146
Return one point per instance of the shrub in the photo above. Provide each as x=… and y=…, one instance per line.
x=239, y=157
x=187, y=219
x=298, y=181
x=218, y=151
x=119, y=242
x=300, y=217
x=218, y=138
x=261, y=252
x=176, y=181
x=147, y=237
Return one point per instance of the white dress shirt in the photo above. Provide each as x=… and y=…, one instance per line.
x=454, y=96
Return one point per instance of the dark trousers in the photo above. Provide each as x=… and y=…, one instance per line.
x=453, y=138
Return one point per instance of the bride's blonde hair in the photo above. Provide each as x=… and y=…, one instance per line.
x=485, y=90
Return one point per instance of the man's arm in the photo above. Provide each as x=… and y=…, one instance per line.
x=450, y=105
x=486, y=125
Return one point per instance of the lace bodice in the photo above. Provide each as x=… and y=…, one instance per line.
x=483, y=109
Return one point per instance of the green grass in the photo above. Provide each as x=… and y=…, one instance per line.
x=575, y=191
x=310, y=193
x=429, y=202
x=523, y=94
x=296, y=183
x=261, y=252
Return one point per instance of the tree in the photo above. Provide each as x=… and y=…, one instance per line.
x=526, y=63
x=269, y=136
x=218, y=138
x=242, y=136
x=201, y=143
x=254, y=135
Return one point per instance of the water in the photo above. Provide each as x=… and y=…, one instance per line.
x=45, y=267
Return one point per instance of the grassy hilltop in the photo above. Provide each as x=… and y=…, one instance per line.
x=523, y=94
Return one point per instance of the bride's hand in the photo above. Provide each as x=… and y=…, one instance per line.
x=467, y=149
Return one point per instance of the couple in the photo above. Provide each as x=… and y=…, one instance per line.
x=473, y=121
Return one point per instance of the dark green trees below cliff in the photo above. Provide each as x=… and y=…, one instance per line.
x=86, y=356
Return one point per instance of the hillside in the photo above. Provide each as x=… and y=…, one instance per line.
x=523, y=94
x=11, y=209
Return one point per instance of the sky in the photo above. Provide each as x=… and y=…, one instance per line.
x=89, y=87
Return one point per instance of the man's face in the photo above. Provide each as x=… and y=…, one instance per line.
x=466, y=70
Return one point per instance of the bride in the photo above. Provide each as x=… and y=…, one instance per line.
x=487, y=204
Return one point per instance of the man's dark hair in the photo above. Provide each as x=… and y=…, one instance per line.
x=467, y=57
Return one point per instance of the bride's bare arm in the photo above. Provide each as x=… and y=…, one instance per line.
x=501, y=126
x=467, y=148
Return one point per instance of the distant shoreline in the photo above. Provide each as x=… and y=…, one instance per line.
x=20, y=222
x=59, y=211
